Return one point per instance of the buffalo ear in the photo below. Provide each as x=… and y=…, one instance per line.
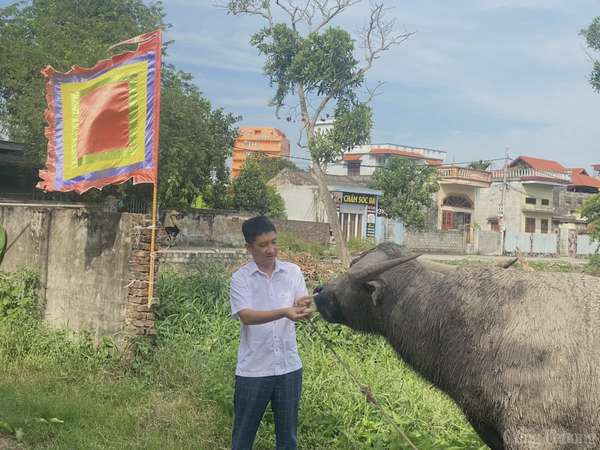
x=375, y=287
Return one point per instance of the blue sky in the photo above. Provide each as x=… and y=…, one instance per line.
x=477, y=77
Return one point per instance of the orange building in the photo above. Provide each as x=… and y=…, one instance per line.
x=267, y=140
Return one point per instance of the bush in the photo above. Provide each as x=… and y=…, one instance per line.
x=358, y=245
x=18, y=295
x=290, y=242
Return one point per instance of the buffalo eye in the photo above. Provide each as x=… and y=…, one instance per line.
x=318, y=289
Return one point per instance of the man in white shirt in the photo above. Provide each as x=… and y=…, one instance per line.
x=267, y=296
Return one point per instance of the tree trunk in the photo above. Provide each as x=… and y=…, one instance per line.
x=340, y=242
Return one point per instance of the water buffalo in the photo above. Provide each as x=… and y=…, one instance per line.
x=519, y=352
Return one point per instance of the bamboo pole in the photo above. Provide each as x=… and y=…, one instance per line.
x=153, y=242
x=157, y=91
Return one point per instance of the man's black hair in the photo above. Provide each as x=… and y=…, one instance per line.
x=256, y=226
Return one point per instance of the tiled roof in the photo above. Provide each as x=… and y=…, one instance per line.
x=352, y=157
x=539, y=164
x=579, y=177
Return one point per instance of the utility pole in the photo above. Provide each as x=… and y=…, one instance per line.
x=501, y=223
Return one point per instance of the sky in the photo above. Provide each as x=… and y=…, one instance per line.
x=477, y=77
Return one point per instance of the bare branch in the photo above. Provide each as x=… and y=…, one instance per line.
x=379, y=36
x=372, y=92
x=329, y=12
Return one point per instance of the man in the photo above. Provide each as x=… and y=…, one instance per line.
x=267, y=296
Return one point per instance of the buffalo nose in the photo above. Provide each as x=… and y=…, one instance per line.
x=318, y=289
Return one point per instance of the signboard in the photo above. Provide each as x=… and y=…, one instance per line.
x=359, y=199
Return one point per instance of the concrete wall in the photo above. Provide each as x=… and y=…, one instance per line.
x=207, y=228
x=587, y=247
x=434, y=242
x=82, y=257
x=488, y=242
x=489, y=200
x=302, y=203
x=531, y=243
x=190, y=259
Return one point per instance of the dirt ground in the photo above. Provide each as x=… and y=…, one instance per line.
x=8, y=444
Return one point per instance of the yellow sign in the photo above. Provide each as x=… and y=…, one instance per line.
x=359, y=199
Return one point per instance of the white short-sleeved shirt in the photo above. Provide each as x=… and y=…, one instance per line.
x=269, y=348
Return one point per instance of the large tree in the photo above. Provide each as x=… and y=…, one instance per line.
x=195, y=139
x=407, y=190
x=312, y=66
x=592, y=38
x=250, y=191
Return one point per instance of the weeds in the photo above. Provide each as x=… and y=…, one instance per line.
x=64, y=392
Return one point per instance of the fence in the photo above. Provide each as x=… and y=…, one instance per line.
x=531, y=243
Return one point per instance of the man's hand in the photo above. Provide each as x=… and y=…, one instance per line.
x=295, y=313
x=305, y=301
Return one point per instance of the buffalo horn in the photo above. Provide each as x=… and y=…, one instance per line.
x=369, y=273
x=439, y=267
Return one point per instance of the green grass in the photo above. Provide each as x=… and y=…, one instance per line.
x=63, y=392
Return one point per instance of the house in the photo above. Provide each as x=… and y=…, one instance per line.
x=266, y=140
x=458, y=197
x=596, y=170
x=582, y=182
x=568, y=202
x=522, y=196
x=357, y=204
x=364, y=159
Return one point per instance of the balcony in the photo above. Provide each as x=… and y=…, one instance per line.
x=537, y=208
x=532, y=175
x=463, y=175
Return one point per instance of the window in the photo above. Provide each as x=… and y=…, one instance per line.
x=353, y=169
x=530, y=225
x=545, y=202
x=544, y=225
x=530, y=200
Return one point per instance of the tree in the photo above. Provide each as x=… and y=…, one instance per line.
x=251, y=193
x=271, y=166
x=407, y=190
x=592, y=38
x=591, y=210
x=480, y=164
x=195, y=139
x=195, y=142
x=312, y=63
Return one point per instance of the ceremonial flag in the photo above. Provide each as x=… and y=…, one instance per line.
x=103, y=122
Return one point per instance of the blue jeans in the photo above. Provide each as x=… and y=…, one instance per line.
x=252, y=394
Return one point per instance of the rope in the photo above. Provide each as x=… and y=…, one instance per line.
x=364, y=389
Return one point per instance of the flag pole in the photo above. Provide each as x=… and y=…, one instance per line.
x=157, y=90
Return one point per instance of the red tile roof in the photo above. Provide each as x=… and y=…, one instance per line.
x=579, y=177
x=352, y=157
x=539, y=164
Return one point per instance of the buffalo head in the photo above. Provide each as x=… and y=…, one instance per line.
x=356, y=298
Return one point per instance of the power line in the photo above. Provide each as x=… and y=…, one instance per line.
x=341, y=163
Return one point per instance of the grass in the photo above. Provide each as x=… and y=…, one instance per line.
x=62, y=392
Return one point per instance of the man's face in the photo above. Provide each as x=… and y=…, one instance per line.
x=264, y=249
